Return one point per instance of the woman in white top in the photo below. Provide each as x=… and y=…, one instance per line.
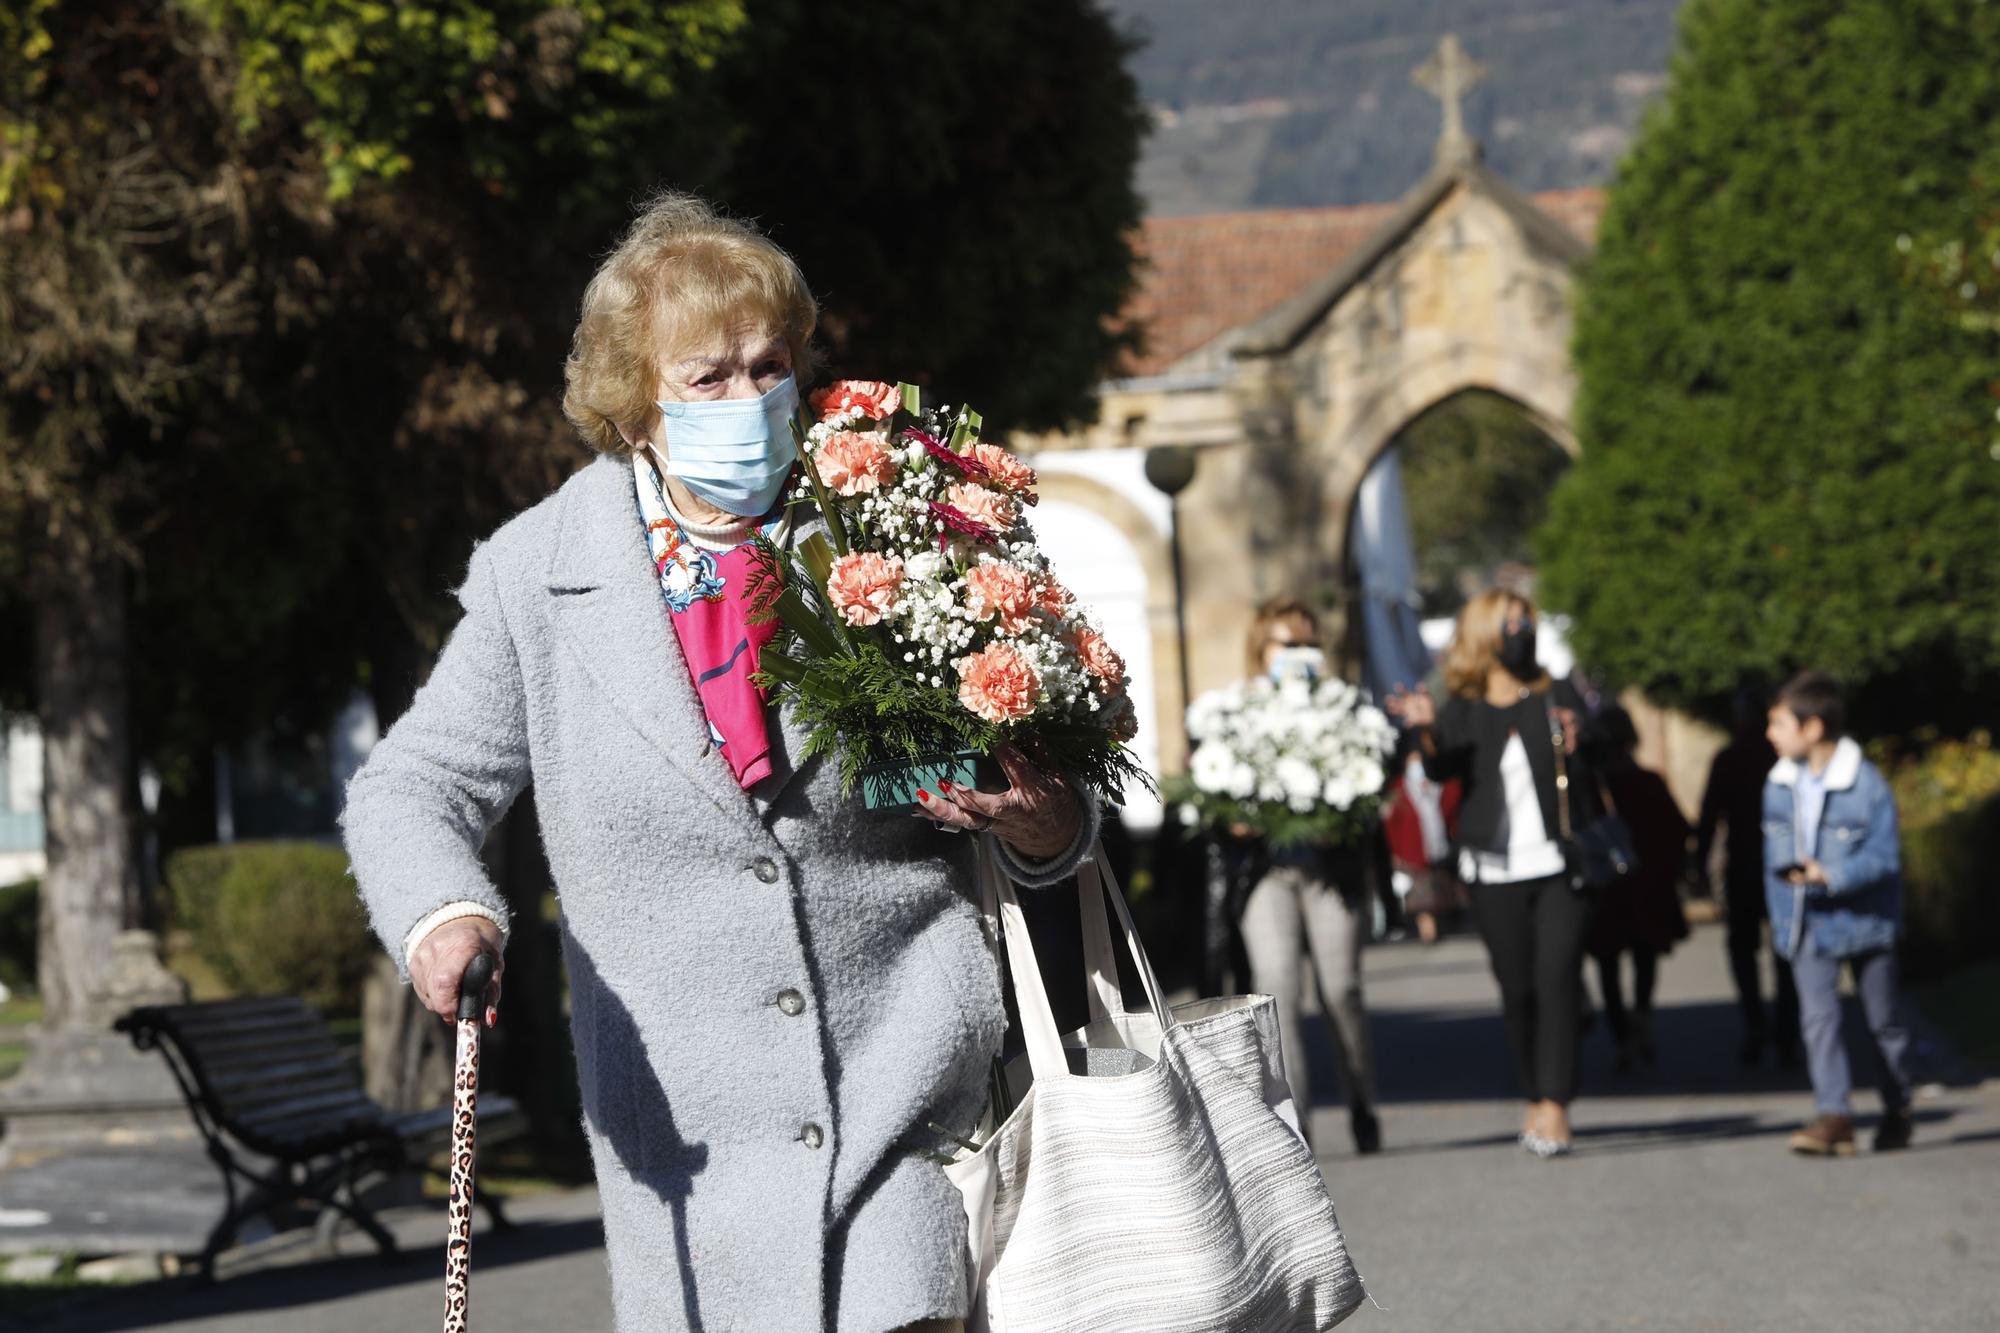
x=1496, y=734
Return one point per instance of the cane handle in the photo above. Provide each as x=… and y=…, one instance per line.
x=472, y=986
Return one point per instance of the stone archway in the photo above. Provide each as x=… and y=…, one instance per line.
x=1541, y=390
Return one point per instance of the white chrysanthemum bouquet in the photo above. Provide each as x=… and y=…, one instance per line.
x=924, y=625
x=1300, y=762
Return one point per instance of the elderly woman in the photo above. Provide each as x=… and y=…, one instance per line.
x=774, y=994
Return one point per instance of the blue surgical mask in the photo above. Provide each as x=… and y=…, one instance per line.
x=1304, y=664
x=735, y=453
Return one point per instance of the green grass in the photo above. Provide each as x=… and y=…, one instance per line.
x=1966, y=1007
x=17, y=1012
x=24, y=1302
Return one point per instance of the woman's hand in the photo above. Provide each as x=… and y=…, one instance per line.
x=439, y=960
x=1412, y=708
x=1038, y=816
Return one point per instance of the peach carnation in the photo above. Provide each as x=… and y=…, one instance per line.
x=998, y=684
x=854, y=464
x=1008, y=472
x=983, y=506
x=865, y=586
x=1056, y=599
x=1099, y=658
x=873, y=399
x=1002, y=592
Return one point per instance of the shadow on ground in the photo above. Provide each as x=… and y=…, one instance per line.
x=281, y=1288
x=1460, y=1055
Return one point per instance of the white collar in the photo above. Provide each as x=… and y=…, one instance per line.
x=1840, y=773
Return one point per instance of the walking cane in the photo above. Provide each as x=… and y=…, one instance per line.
x=464, y=1105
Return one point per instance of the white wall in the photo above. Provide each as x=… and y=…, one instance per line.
x=1097, y=563
x=20, y=798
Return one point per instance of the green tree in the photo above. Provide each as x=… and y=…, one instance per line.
x=955, y=178
x=1786, y=451
x=129, y=293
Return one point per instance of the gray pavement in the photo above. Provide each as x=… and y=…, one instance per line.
x=1680, y=1211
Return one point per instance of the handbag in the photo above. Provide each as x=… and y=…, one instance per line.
x=1150, y=1174
x=1600, y=854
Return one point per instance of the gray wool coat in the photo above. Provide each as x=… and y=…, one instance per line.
x=773, y=993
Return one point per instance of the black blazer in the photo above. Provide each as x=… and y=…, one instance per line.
x=1470, y=736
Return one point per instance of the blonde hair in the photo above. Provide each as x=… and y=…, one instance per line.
x=681, y=271
x=1475, y=642
x=1264, y=625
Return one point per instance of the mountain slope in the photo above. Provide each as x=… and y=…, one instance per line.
x=1282, y=103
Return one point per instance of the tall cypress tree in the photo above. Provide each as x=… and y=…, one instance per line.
x=1787, y=443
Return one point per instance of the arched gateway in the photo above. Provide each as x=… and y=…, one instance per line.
x=1288, y=348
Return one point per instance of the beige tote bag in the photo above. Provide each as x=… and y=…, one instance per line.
x=1151, y=1176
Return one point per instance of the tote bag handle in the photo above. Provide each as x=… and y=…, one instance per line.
x=1038, y=1023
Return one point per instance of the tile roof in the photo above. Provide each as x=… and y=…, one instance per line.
x=1203, y=276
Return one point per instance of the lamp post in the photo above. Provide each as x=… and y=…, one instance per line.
x=1169, y=469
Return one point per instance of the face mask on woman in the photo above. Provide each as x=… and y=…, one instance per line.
x=735, y=453
x=1517, y=652
x=1305, y=665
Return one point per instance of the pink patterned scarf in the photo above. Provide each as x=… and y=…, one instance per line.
x=707, y=598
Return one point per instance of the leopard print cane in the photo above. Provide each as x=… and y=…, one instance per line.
x=464, y=1121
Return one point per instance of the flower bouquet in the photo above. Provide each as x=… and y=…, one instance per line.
x=1300, y=762
x=922, y=626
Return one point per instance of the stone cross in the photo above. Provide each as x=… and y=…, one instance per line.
x=1448, y=76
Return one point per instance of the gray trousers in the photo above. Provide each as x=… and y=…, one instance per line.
x=1293, y=911
x=1818, y=981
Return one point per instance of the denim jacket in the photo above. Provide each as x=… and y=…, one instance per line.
x=1860, y=907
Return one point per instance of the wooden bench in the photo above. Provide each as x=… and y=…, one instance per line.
x=283, y=1111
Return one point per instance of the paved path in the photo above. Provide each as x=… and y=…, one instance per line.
x=1681, y=1211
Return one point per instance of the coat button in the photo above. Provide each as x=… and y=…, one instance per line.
x=812, y=1136
x=792, y=1003
x=766, y=869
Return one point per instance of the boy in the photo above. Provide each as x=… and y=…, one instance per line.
x=1833, y=882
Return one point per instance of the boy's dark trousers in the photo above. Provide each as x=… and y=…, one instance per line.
x=1818, y=981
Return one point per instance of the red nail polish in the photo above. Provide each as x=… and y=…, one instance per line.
x=942, y=784
x=923, y=795
x=492, y=1016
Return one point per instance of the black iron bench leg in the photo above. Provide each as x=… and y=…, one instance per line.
x=362, y=1217
x=490, y=1201
x=327, y=1192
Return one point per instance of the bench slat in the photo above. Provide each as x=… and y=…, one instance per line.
x=299, y=1024
x=496, y=1112
x=250, y=1102
x=252, y=1051
x=194, y=1024
x=292, y=1108
x=217, y=1011
x=313, y=1132
x=236, y=1078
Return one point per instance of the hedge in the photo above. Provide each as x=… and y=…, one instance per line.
x=274, y=918
x=1951, y=912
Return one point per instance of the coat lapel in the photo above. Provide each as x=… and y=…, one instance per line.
x=607, y=604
